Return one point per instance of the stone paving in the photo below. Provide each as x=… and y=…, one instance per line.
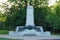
x=32, y=37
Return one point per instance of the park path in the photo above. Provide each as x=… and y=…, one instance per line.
x=30, y=37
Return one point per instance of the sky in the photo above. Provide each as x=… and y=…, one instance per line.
x=3, y=1
x=51, y=2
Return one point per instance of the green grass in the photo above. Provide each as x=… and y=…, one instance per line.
x=4, y=31
x=56, y=34
x=9, y=39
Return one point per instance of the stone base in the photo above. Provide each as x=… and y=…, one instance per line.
x=29, y=32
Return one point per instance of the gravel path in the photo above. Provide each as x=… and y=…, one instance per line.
x=30, y=37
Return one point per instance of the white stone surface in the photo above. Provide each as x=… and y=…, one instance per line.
x=29, y=32
x=30, y=16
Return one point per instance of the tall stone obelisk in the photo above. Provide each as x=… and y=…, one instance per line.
x=30, y=16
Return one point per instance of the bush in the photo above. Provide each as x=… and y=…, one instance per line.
x=4, y=31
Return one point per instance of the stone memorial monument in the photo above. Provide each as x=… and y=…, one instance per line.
x=29, y=28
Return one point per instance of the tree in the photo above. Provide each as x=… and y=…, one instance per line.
x=54, y=18
x=16, y=14
x=2, y=21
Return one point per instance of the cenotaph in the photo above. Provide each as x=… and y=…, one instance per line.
x=29, y=28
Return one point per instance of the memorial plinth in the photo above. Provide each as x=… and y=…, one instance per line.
x=29, y=28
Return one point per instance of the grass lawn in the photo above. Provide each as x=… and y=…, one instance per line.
x=4, y=31
x=57, y=34
x=9, y=39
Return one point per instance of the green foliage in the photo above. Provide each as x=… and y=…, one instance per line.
x=54, y=19
x=2, y=17
x=40, y=15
